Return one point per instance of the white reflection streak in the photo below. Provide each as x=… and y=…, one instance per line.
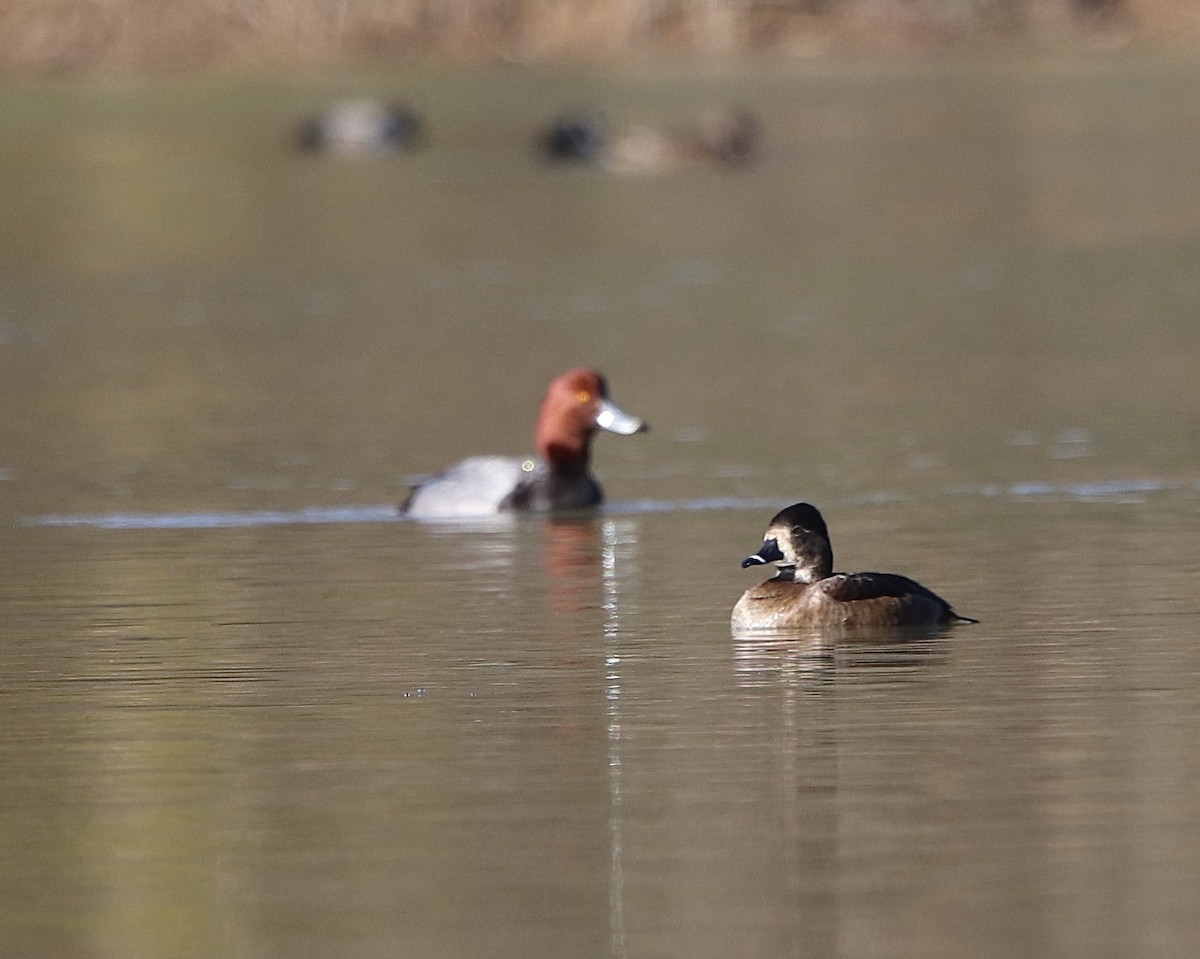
x=612, y=692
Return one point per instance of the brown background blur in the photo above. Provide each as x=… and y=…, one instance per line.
x=52, y=35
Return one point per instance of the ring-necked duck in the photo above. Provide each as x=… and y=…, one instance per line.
x=806, y=592
x=575, y=407
x=361, y=128
x=582, y=138
x=728, y=137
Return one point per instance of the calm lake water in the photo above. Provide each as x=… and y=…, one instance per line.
x=247, y=711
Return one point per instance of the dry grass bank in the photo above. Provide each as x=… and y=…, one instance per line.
x=44, y=35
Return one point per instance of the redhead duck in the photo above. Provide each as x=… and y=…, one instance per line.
x=806, y=592
x=361, y=128
x=728, y=137
x=575, y=406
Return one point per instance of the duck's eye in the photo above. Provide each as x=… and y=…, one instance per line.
x=583, y=396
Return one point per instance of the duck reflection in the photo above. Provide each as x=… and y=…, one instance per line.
x=583, y=559
x=577, y=554
x=760, y=660
x=807, y=689
x=816, y=658
x=572, y=553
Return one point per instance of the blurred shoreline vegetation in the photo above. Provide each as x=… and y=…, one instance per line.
x=79, y=35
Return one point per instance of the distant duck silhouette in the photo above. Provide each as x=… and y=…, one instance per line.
x=363, y=127
x=728, y=137
x=581, y=138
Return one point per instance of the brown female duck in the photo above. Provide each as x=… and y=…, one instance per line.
x=807, y=593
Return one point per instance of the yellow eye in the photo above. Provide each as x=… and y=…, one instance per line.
x=583, y=396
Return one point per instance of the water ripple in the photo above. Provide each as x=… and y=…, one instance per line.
x=222, y=520
x=1119, y=491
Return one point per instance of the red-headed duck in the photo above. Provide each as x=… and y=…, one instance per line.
x=576, y=405
x=806, y=592
x=361, y=128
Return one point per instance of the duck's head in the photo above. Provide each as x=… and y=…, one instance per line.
x=797, y=542
x=576, y=405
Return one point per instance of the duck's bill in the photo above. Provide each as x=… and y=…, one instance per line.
x=770, y=553
x=615, y=420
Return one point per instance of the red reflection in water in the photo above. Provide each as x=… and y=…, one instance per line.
x=572, y=553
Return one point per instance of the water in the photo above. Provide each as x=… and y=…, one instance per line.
x=247, y=711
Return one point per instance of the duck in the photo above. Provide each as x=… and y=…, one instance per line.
x=727, y=137
x=360, y=128
x=575, y=407
x=583, y=138
x=806, y=593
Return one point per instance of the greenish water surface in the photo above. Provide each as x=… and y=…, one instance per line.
x=247, y=711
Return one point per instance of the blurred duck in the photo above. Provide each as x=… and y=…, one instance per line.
x=361, y=128
x=728, y=137
x=806, y=592
x=576, y=405
x=582, y=138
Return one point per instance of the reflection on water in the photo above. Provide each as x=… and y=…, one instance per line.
x=814, y=657
x=620, y=542
x=953, y=305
